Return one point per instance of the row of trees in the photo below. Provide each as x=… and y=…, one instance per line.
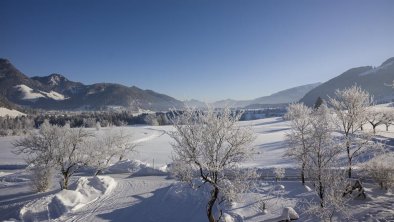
x=321, y=137
x=15, y=126
x=22, y=124
x=66, y=150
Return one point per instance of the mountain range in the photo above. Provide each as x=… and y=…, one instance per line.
x=378, y=81
x=282, y=97
x=57, y=92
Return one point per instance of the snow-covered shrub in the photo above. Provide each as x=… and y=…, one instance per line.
x=262, y=206
x=98, y=126
x=381, y=169
x=41, y=178
x=279, y=173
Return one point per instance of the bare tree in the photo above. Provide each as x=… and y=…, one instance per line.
x=60, y=147
x=350, y=106
x=210, y=146
x=109, y=146
x=374, y=117
x=299, y=116
x=322, y=165
x=388, y=118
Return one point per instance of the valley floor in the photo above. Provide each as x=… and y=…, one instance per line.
x=149, y=197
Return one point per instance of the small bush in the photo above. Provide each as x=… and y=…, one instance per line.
x=381, y=169
x=41, y=178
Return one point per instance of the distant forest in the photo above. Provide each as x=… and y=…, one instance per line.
x=21, y=124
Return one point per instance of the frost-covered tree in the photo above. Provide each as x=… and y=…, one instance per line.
x=350, y=106
x=109, y=146
x=322, y=166
x=279, y=173
x=209, y=147
x=374, y=117
x=53, y=146
x=299, y=116
x=388, y=118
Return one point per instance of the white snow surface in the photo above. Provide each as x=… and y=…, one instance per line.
x=142, y=195
x=54, y=95
x=10, y=112
x=29, y=94
x=84, y=191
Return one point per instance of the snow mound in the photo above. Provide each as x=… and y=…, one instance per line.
x=228, y=218
x=125, y=166
x=82, y=192
x=307, y=188
x=136, y=168
x=289, y=213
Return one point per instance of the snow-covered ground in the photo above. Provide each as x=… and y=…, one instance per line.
x=29, y=94
x=141, y=192
x=10, y=112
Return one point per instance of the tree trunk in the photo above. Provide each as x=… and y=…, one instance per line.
x=374, y=130
x=97, y=172
x=321, y=194
x=65, y=181
x=387, y=127
x=349, y=159
x=211, y=203
x=303, y=174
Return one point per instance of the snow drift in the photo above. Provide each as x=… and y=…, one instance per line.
x=136, y=168
x=83, y=191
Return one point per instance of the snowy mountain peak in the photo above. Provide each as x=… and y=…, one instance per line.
x=55, y=79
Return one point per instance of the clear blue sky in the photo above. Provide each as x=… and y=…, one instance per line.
x=207, y=50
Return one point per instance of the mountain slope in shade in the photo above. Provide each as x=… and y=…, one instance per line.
x=377, y=81
x=57, y=92
x=282, y=97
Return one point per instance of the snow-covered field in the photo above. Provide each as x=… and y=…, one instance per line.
x=139, y=191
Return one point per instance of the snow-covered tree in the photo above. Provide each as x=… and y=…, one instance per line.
x=322, y=166
x=350, y=106
x=374, y=117
x=109, y=146
x=279, y=173
x=209, y=147
x=60, y=147
x=98, y=125
x=388, y=118
x=299, y=116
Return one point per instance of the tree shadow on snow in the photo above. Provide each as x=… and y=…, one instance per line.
x=277, y=120
x=164, y=204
